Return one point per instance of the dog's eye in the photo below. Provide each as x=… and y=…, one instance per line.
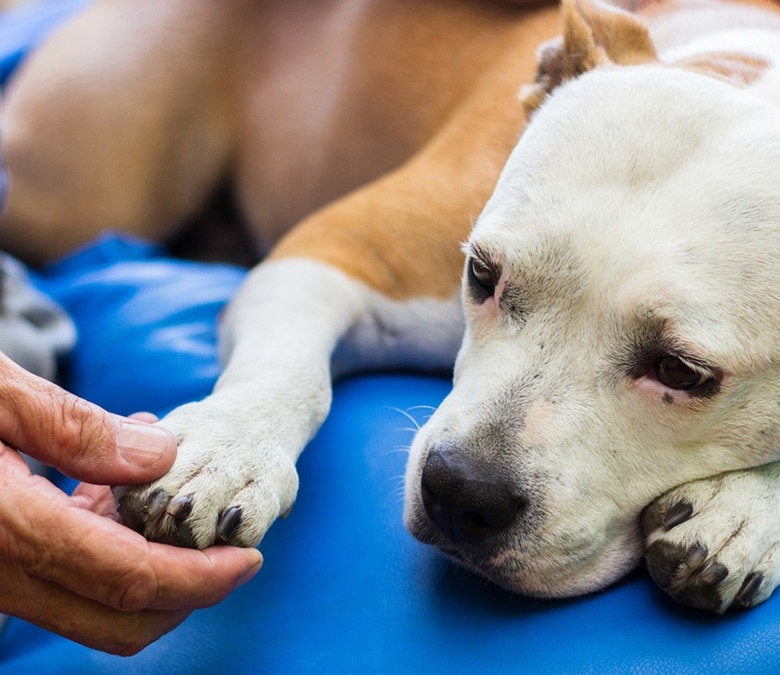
x=673, y=372
x=483, y=278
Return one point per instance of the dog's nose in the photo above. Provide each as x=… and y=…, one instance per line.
x=464, y=498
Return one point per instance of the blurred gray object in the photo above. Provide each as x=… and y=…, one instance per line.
x=34, y=331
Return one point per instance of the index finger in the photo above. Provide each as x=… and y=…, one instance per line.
x=100, y=559
x=77, y=437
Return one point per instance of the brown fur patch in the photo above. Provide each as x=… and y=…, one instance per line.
x=593, y=34
x=741, y=70
x=400, y=234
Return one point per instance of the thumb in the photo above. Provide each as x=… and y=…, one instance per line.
x=80, y=439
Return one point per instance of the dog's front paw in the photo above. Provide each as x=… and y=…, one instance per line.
x=714, y=544
x=227, y=486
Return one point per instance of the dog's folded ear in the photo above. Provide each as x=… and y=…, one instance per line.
x=594, y=34
x=739, y=70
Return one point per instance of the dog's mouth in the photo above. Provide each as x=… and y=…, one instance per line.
x=543, y=564
x=508, y=511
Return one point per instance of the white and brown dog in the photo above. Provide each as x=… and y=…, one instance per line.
x=621, y=291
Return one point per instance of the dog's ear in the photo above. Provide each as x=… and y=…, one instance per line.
x=593, y=34
x=739, y=70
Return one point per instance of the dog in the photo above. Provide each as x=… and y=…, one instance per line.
x=616, y=296
x=622, y=331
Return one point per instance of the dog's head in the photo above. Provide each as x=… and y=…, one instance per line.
x=622, y=295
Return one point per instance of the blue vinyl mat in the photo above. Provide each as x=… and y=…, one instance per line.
x=344, y=588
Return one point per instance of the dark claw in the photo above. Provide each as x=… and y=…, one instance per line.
x=155, y=517
x=700, y=597
x=748, y=591
x=229, y=522
x=129, y=508
x=671, y=567
x=697, y=554
x=679, y=513
x=666, y=562
x=180, y=508
x=712, y=574
x=702, y=590
x=156, y=503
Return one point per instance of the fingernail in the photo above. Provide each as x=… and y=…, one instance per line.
x=149, y=418
x=141, y=444
x=246, y=576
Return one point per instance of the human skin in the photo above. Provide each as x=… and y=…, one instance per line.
x=65, y=563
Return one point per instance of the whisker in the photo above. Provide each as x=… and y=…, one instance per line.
x=423, y=407
x=398, y=492
x=405, y=449
x=407, y=416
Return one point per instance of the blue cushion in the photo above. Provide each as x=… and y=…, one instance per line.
x=26, y=26
x=344, y=587
x=115, y=291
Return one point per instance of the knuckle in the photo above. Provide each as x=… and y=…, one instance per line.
x=136, y=590
x=133, y=647
x=76, y=427
x=130, y=642
x=144, y=629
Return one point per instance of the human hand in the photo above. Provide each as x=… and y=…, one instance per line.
x=65, y=564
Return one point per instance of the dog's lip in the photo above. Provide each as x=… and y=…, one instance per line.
x=520, y=573
x=486, y=568
x=534, y=567
x=421, y=530
x=492, y=553
x=544, y=572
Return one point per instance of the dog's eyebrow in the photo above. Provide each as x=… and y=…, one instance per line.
x=648, y=339
x=513, y=299
x=483, y=254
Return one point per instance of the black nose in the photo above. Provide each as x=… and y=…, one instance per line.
x=466, y=499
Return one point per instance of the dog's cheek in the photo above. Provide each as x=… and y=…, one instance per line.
x=744, y=428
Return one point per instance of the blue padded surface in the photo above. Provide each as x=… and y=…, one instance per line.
x=26, y=26
x=118, y=356
x=344, y=587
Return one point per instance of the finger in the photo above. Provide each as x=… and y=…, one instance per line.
x=149, y=418
x=83, y=620
x=100, y=559
x=95, y=498
x=99, y=500
x=80, y=439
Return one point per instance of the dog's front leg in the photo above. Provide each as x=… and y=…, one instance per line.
x=237, y=448
x=371, y=281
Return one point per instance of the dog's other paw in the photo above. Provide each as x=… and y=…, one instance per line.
x=227, y=486
x=714, y=544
